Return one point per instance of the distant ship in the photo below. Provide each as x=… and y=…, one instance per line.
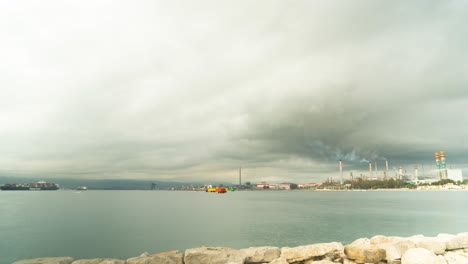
x=82, y=188
x=37, y=186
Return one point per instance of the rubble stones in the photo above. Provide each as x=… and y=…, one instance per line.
x=443, y=249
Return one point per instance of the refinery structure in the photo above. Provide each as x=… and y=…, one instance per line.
x=441, y=172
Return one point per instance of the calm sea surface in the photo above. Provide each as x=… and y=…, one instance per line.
x=124, y=224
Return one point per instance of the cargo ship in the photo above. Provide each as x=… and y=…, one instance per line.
x=37, y=186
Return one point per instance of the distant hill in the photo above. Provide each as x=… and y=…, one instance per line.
x=103, y=184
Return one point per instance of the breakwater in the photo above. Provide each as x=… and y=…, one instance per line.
x=418, y=249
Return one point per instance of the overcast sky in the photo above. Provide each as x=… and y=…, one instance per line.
x=192, y=90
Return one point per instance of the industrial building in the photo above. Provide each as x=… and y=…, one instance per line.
x=400, y=173
x=443, y=172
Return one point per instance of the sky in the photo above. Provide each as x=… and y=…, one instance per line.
x=193, y=90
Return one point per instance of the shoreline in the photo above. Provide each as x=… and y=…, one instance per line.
x=260, y=190
x=418, y=249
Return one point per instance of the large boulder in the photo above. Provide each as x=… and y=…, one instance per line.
x=213, y=255
x=55, y=260
x=379, y=239
x=445, y=237
x=323, y=261
x=302, y=253
x=463, y=252
x=394, y=251
x=261, y=254
x=457, y=242
x=280, y=260
x=361, y=251
x=371, y=254
x=171, y=257
x=440, y=260
x=454, y=258
x=434, y=244
x=99, y=261
x=419, y=256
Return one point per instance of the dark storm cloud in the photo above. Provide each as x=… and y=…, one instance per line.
x=186, y=90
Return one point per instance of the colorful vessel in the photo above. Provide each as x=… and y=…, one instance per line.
x=37, y=186
x=209, y=188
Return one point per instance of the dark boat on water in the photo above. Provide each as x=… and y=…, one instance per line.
x=37, y=186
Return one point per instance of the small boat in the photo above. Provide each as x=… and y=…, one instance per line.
x=82, y=188
x=209, y=188
x=221, y=189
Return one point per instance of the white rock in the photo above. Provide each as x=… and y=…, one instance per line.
x=99, y=261
x=457, y=242
x=302, y=253
x=174, y=258
x=418, y=256
x=462, y=252
x=376, y=240
x=394, y=251
x=261, y=254
x=445, y=237
x=280, y=260
x=369, y=254
x=113, y=261
x=453, y=258
x=434, y=244
x=361, y=251
x=323, y=261
x=55, y=260
x=213, y=255
x=361, y=242
x=415, y=237
x=441, y=260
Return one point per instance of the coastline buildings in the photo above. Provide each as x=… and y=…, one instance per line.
x=287, y=186
x=401, y=173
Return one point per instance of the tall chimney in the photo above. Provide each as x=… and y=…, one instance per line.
x=443, y=165
x=240, y=176
x=370, y=169
x=341, y=172
x=437, y=160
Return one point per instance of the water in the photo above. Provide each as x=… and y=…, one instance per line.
x=124, y=224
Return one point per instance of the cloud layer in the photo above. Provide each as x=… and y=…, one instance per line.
x=187, y=90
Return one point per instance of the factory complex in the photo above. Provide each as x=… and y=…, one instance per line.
x=439, y=174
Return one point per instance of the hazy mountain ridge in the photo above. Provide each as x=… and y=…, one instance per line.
x=116, y=184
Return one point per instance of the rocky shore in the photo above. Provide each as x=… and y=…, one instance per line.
x=442, y=249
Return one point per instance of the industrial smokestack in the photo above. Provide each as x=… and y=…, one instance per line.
x=240, y=176
x=376, y=169
x=370, y=169
x=341, y=172
x=437, y=160
x=443, y=165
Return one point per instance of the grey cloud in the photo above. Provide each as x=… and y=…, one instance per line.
x=186, y=90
